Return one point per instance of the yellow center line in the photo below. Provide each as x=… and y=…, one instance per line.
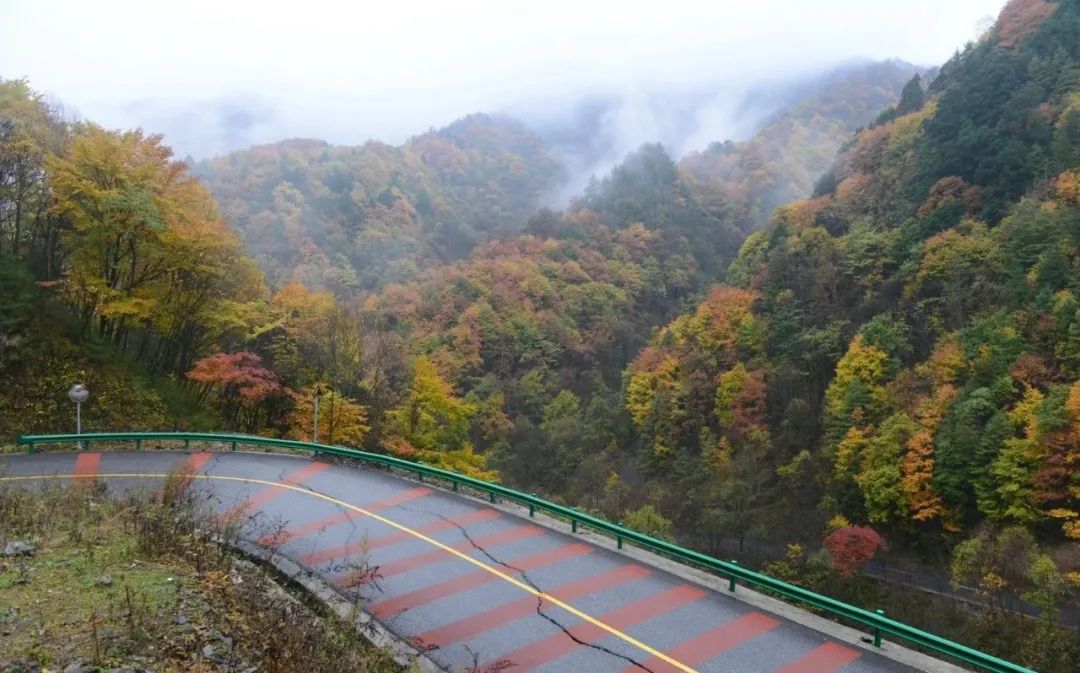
x=417, y=534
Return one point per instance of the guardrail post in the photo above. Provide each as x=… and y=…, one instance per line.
x=532, y=509
x=30, y=447
x=233, y=447
x=877, y=631
x=573, y=525
x=138, y=443
x=731, y=578
x=491, y=496
x=618, y=541
x=187, y=444
x=420, y=476
x=455, y=487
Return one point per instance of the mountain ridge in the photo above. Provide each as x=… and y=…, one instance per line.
x=351, y=218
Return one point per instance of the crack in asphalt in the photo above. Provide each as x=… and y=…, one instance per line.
x=539, y=599
x=521, y=572
x=340, y=567
x=215, y=459
x=210, y=492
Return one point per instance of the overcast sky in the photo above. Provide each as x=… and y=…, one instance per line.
x=212, y=74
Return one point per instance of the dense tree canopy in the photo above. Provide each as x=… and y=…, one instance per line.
x=915, y=322
x=355, y=218
x=784, y=159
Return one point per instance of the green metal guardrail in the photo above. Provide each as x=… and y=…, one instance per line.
x=877, y=622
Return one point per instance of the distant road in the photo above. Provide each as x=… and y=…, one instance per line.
x=460, y=577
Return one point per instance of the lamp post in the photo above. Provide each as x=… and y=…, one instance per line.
x=315, y=424
x=78, y=394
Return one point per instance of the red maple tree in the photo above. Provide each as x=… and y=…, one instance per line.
x=851, y=547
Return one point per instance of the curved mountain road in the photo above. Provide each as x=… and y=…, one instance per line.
x=460, y=577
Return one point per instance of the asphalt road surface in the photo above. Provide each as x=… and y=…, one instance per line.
x=470, y=581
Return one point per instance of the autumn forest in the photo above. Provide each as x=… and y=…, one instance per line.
x=845, y=350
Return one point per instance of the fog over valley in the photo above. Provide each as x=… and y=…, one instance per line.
x=215, y=77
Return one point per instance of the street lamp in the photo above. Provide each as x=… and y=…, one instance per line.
x=315, y=424
x=78, y=394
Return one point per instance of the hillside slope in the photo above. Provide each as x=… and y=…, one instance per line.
x=791, y=151
x=901, y=350
x=354, y=218
x=115, y=271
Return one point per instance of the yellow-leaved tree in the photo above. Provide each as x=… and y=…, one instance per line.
x=148, y=255
x=341, y=420
x=432, y=424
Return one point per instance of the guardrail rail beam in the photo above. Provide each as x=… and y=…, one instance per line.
x=875, y=621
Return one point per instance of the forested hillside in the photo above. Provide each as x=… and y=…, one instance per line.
x=354, y=218
x=784, y=159
x=525, y=337
x=935, y=263
x=899, y=351
x=536, y=329
x=114, y=267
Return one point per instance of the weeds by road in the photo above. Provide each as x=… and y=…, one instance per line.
x=93, y=581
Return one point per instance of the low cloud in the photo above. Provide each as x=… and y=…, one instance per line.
x=217, y=75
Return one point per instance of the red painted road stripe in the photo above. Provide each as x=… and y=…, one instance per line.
x=341, y=517
x=711, y=643
x=268, y=493
x=86, y=467
x=474, y=579
x=438, y=555
x=523, y=607
x=551, y=648
x=194, y=462
x=828, y=658
x=393, y=538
